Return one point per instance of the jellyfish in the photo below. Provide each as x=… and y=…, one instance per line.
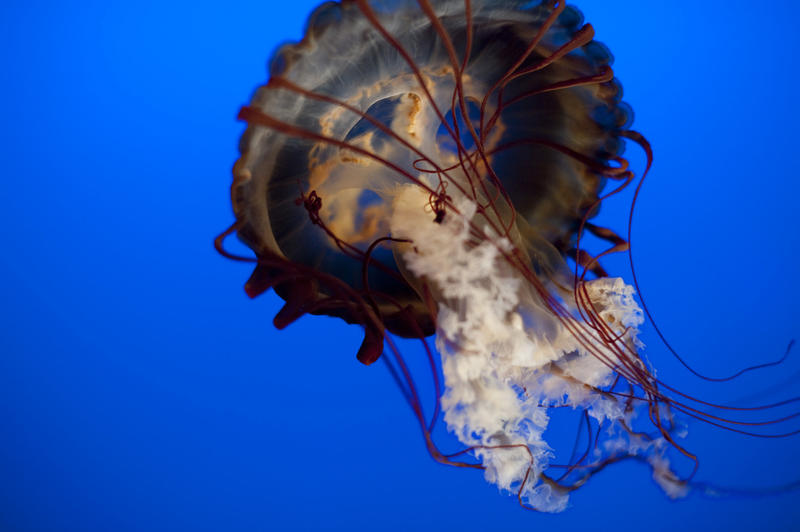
x=430, y=169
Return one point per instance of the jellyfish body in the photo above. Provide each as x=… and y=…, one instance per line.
x=349, y=77
x=428, y=167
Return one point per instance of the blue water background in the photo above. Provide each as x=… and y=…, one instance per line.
x=140, y=389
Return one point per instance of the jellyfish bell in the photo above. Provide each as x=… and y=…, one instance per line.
x=424, y=168
x=350, y=127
